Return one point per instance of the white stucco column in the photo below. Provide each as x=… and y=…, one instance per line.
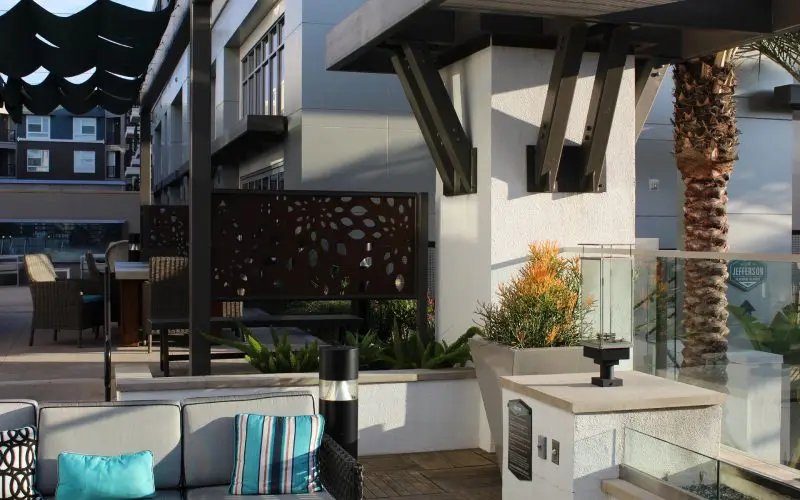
x=482, y=239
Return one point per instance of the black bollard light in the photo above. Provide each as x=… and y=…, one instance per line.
x=134, y=247
x=338, y=395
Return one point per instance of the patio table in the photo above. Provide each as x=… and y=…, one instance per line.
x=131, y=276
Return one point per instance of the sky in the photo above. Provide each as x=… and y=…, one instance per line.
x=67, y=7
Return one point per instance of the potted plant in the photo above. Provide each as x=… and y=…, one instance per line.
x=535, y=326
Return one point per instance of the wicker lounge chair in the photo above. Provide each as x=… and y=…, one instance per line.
x=62, y=304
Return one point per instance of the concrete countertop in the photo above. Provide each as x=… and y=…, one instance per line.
x=575, y=393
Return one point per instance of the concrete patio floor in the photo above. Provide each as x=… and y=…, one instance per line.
x=60, y=371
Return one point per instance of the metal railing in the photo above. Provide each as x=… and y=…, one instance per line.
x=8, y=170
x=8, y=135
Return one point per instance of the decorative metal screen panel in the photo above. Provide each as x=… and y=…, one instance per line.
x=165, y=231
x=294, y=244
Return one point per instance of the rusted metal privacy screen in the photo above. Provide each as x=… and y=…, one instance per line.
x=165, y=231
x=314, y=245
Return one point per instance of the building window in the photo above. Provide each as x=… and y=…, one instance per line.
x=37, y=127
x=111, y=165
x=84, y=162
x=84, y=129
x=262, y=75
x=38, y=160
x=268, y=179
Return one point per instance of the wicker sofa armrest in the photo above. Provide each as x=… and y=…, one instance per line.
x=342, y=475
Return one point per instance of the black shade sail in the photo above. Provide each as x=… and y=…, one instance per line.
x=116, y=41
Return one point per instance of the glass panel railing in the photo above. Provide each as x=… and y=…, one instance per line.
x=700, y=475
x=679, y=467
x=677, y=303
x=63, y=241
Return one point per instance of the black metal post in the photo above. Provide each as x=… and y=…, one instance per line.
x=338, y=395
x=200, y=186
x=107, y=331
x=421, y=276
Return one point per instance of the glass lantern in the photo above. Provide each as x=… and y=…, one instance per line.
x=607, y=286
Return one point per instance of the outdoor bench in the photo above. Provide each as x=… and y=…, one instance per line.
x=192, y=441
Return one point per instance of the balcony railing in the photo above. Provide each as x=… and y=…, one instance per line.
x=725, y=321
x=8, y=135
x=8, y=170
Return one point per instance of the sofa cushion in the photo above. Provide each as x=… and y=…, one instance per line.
x=208, y=438
x=160, y=495
x=276, y=455
x=17, y=413
x=110, y=429
x=221, y=493
x=17, y=462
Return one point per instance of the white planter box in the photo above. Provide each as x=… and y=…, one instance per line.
x=493, y=361
x=400, y=411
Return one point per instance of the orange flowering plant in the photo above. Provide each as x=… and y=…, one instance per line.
x=541, y=306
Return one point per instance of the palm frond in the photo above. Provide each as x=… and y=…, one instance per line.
x=784, y=50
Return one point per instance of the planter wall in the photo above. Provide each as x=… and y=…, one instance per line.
x=402, y=411
x=493, y=361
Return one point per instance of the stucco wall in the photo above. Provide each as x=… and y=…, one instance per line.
x=393, y=417
x=592, y=446
x=71, y=205
x=482, y=239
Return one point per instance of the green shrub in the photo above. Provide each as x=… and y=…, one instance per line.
x=319, y=307
x=541, y=306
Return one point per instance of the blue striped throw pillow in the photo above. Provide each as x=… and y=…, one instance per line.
x=276, y=455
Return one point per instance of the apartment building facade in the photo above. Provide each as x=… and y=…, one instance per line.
x=63, y=186
x=64, y=150
x=281, y=121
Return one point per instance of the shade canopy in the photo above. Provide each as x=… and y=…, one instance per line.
x=114, y=40
x=664, y=30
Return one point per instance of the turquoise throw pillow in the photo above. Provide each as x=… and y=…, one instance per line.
x=90, y=477
x=276, y=455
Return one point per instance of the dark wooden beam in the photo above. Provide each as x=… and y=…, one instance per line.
x=603, y=106
x=696, y=43
x=424, y=120
x=448, y=132
x=730, y=15
x=558, y=103
x=649, y=76
x=786, y=14
x=200, y=187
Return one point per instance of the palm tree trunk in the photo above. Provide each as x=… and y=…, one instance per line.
x=706, y=140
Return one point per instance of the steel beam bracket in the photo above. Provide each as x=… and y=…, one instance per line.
x=553, y=166
x=451, y=148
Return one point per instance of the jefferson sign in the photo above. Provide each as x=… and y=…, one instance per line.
x=746, y=274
